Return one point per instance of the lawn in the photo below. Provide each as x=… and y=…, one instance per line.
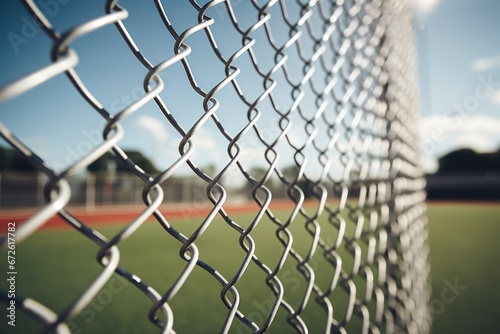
x=53, y=267
x=465, y=253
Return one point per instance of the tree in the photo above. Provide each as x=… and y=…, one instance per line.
x=110, y=161
x=139, y=159
x=465, y=174
x=101, y=165
x=467, y=160
x=306, y=185
x=258, y=173
x=12, y=160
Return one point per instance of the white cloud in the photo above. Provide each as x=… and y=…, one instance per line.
x=206, y=148
x=203, y=139
x=441, y=134
x=430, y=165
x=495, y=98
x=36, y=141
x=425, y=7
x=153, y=126
x=39, y=145
x=486, y=63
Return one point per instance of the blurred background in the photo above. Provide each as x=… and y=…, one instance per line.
x=458, y=49
x=459, y=71
x=459, y=61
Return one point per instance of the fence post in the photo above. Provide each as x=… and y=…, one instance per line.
x=90, y=192
x=187, y=188
x=40, y=181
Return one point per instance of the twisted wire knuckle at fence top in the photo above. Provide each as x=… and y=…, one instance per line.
x=355, y=59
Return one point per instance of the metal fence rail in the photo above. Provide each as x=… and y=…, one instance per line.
x=337, y=78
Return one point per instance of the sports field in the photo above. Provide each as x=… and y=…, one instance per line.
x=55, y=265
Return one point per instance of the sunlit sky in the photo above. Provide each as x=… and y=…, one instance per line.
x=459, y=55
x=459, y=58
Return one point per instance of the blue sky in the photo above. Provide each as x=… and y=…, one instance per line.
x=459, y=58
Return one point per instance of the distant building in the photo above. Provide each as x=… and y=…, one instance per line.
x=465, y=174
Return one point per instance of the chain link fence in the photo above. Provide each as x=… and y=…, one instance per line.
x=319, y=95
x=25, y=191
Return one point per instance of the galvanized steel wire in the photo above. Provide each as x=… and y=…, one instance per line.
x=356, y=60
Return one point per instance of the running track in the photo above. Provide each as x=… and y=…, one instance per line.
x=120, y=215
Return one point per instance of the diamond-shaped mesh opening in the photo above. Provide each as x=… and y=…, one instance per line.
x=286, y=196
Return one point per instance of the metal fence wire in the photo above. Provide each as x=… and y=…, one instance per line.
x=337, y=78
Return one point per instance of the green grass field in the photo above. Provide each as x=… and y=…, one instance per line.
x=53, y=267
x=465, y=249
